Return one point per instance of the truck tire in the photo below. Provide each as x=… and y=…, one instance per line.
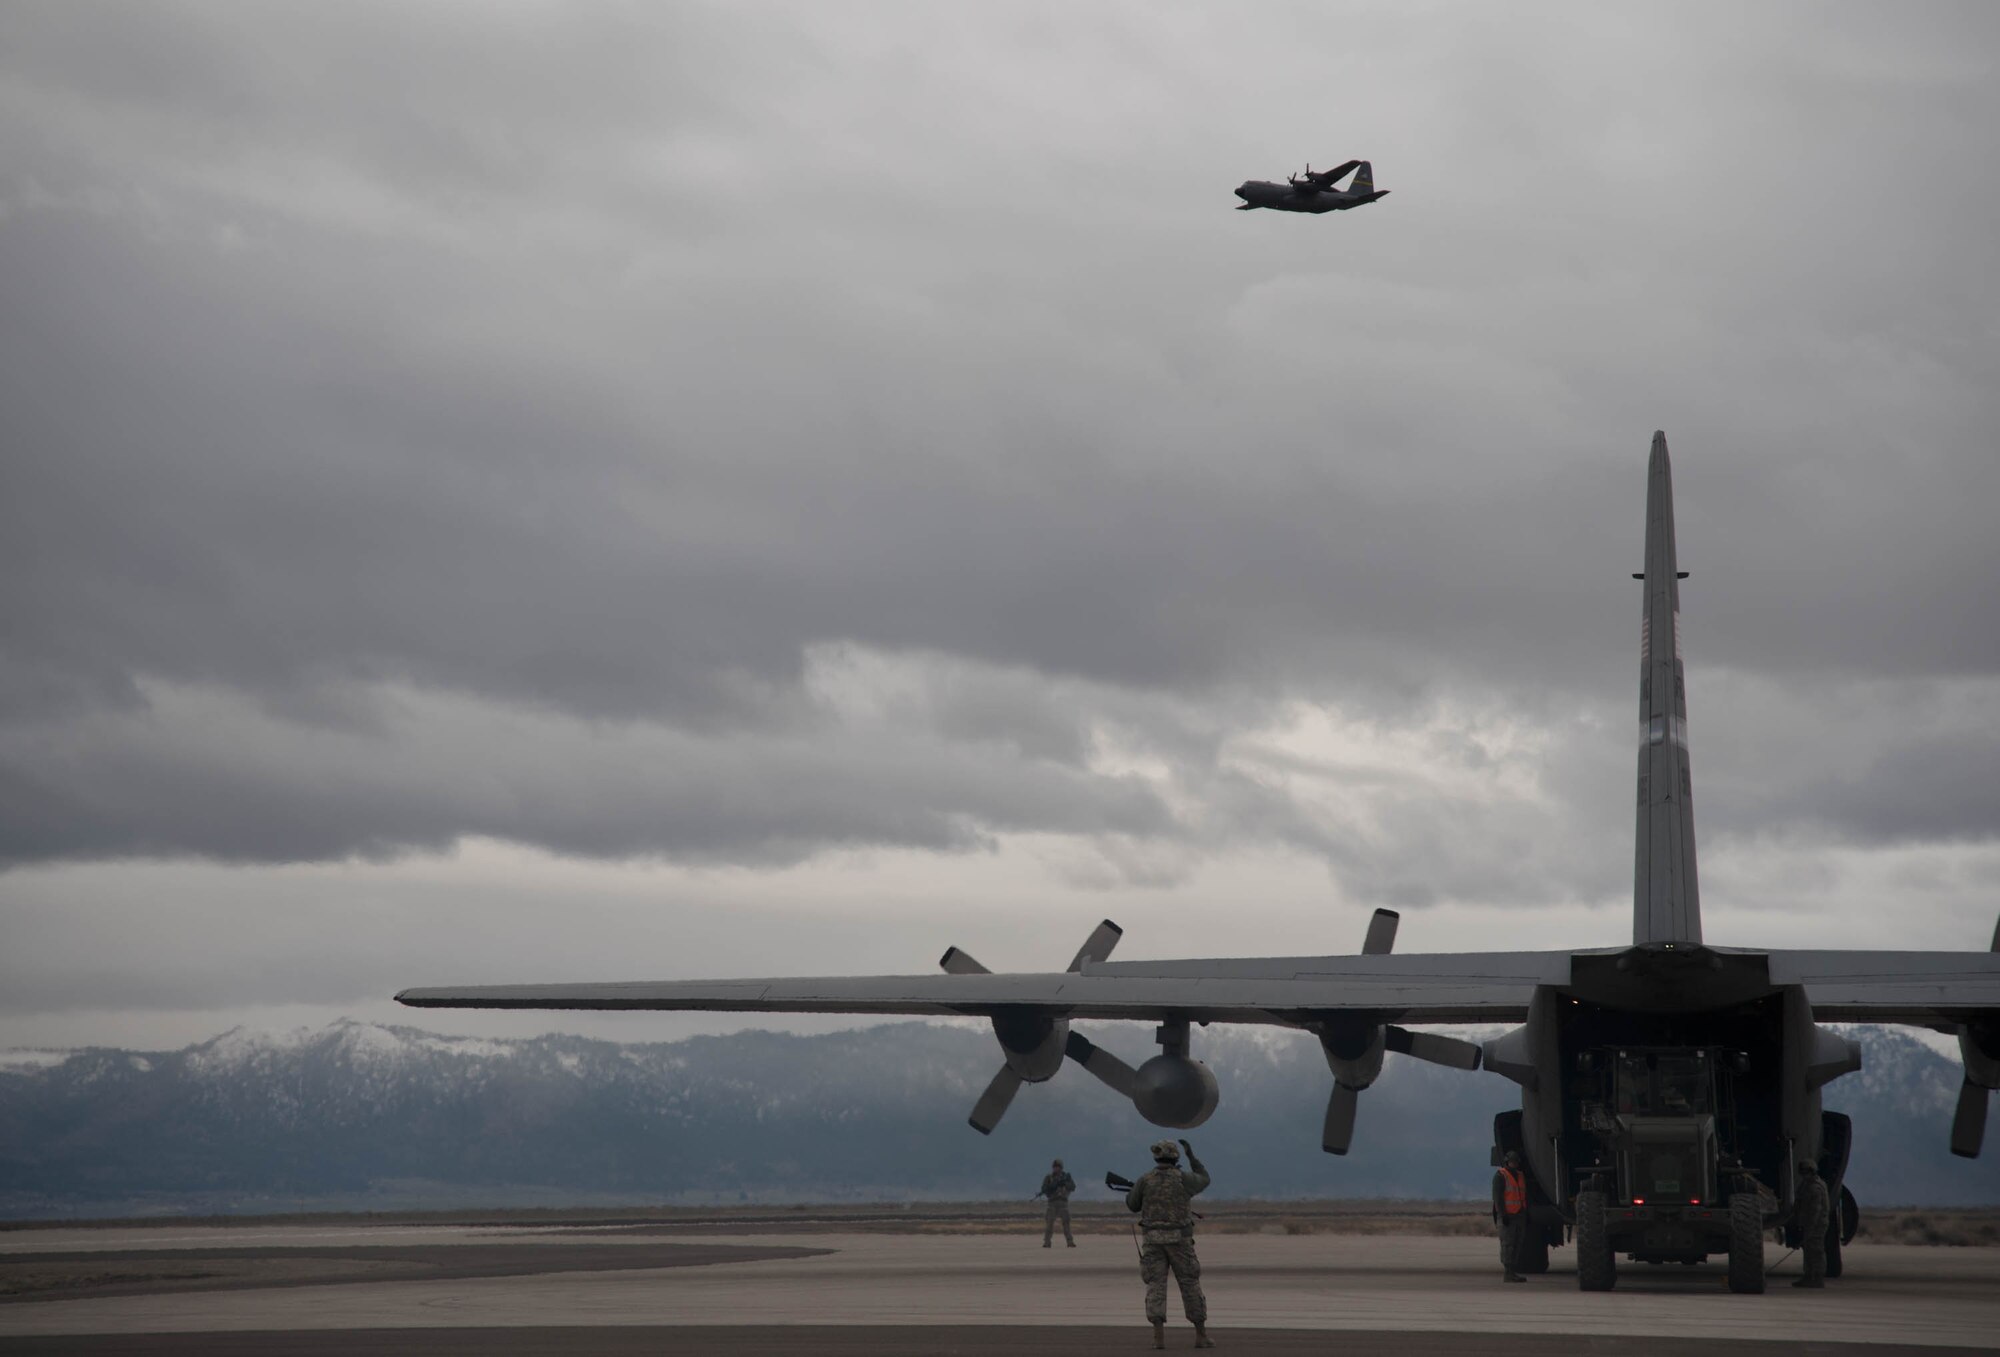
x=1596, y=1268
x=1534, y=1259
x=1746, y=1244
x=1833, y=1247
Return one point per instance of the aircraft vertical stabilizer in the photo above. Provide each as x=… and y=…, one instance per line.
x=1666, y=905
x=1364, y=179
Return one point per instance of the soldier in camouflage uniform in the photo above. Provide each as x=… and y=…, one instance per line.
x=1814, y=1212
x=1057, y=1186
x=1161, y=1198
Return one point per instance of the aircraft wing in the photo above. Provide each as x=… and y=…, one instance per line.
x=1437, y=988
x=1920, y=988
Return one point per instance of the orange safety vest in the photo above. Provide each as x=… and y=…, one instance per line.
x=1514, y=1200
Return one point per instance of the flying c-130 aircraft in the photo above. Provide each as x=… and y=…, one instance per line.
x=1668, y=1088
x=1313, y=192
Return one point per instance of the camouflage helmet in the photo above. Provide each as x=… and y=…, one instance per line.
x=1166, y=1152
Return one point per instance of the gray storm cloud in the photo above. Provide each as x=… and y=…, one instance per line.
x=422, y=424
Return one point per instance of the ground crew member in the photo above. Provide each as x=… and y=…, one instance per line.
x=1056, y=1187
x=1510, y=1213
x=1161, y=1197
x=1814, y=1211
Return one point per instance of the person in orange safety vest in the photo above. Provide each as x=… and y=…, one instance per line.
x=1510, y=1213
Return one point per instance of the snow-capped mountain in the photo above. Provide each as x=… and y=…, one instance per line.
x=357, y=1116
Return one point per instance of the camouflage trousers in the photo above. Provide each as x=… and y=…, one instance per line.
x=1513, y=1233
x=1814, y=1251
x=1813, y=1231
x=1163, y=1253
x=1058, y=1210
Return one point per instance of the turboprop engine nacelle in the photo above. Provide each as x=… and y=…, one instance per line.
x=1035, y=1044
x=1032, y=1043
x=1172, y=1090
x=1354, y=1053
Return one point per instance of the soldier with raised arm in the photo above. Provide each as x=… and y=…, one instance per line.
x=1162, y=1197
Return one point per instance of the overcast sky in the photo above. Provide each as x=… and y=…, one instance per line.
x=500, y=492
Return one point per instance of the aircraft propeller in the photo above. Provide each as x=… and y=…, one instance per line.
x=1035, y=1045
x=1979, y=1049
x=1354, y=1048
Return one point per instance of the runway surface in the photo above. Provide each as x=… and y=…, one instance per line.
x=943, y=1293
x=909, y=1341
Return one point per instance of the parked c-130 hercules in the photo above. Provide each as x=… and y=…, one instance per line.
x=1667, y=1088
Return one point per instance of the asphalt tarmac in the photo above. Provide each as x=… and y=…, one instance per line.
x=911, y=1341
x=559, y=1290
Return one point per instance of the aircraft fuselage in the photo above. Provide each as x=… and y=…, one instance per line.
x=1287, y=198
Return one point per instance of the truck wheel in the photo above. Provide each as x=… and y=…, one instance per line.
x=1596, y=1268
x=1833, y=1247
x=1534, y=1259
x=1746, y=1244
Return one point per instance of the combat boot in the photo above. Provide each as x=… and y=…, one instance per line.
x=1159, y=1333
x=1201, y=1338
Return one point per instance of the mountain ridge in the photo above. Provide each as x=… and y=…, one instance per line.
x=360, y=1116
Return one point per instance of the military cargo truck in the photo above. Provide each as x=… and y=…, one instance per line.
x=1656, y=1149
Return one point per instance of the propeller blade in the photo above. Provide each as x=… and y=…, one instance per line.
x=956, y=962
x=1381, y=937
x=992, y=1104
x=1098, y=945
x=1338, y=1133
x=1968, y=1123
x=1114, y=1073
x=1439, y=1050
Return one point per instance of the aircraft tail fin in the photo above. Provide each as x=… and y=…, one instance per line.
x=1666, y=904
x=1364, y=179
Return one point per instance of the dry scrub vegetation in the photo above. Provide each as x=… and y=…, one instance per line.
x=1961, y=1226
x=1923, y=1225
